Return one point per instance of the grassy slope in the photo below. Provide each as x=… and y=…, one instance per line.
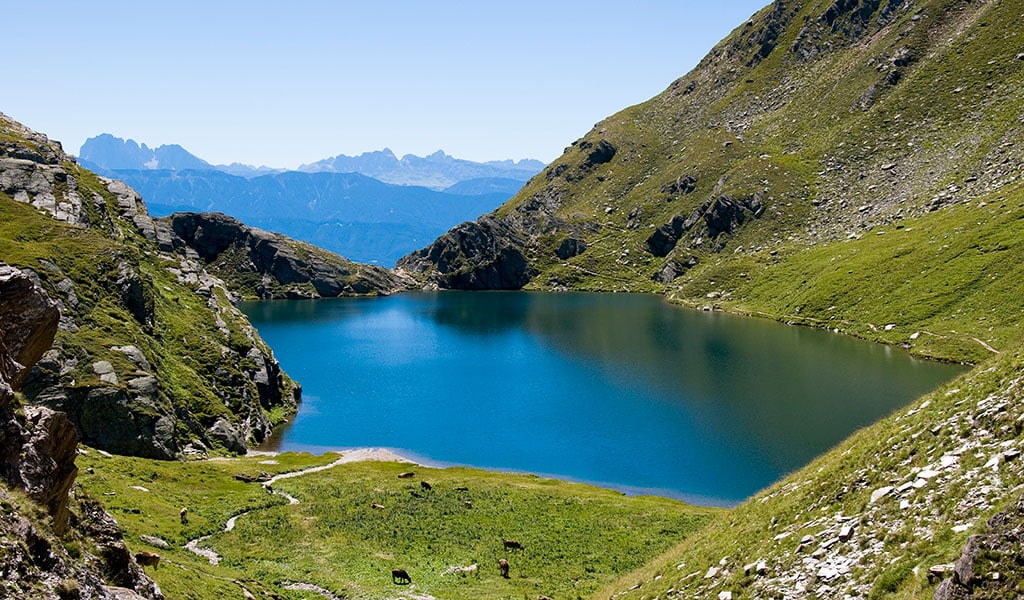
x=577, y=538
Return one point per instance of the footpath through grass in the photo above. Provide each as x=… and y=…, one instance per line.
x=356, y=522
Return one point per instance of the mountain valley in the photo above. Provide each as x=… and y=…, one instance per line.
x=850, y=165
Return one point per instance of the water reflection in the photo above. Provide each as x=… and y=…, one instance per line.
x=623, y=390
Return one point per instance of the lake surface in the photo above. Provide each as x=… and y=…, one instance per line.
x=620, y=390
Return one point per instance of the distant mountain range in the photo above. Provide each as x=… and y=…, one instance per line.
x=437, y=171
x=340, y=204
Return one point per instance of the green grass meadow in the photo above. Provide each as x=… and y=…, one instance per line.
x=576, y=538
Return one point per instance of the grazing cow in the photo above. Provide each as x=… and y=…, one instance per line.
x=148, y=559
x=426, y=486
x=416, y=494
x=406, y=475
x=400, y=576
x=503, y=567
x=462, y=489
x=512, y=545
x=376, y=506
x=184, y=515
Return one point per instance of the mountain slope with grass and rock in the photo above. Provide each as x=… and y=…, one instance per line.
x=849, y=165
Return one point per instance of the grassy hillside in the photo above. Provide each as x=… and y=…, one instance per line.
x=576, y=538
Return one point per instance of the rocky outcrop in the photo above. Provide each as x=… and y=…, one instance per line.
x=37, y=455
x=28, y=322
x=990, y=564
x=570, y=247
x=486, y=254
x=721, y=215
x=47, y=465
x=37, y=449
x=267, y=265
x=674, y=268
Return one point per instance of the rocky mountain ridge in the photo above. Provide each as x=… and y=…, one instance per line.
x=265, y=265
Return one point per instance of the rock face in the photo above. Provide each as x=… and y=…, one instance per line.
x=485, y=254
x=717, y=216
x=37, y=455
x=990, y=564
x=267, y=265
x=28, y=322
x=31, y=171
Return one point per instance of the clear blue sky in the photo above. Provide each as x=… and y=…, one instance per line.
x=283, y=83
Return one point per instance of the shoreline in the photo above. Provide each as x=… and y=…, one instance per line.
x=378, y=454
x=367, y=454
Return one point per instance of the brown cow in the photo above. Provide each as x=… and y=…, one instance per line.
x=406, y=475
x=148, y=559
x=184, y=515
x=400, y=576
x=503, y=566
x=426, y=486
x=512, y=545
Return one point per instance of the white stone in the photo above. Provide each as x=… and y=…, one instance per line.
x=724, y=595
x=712, y=572
x=927, y=474
x=880, y=493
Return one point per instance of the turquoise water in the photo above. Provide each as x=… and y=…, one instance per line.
x=620, y=390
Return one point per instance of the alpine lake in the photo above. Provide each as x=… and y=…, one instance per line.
x=620, y=390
